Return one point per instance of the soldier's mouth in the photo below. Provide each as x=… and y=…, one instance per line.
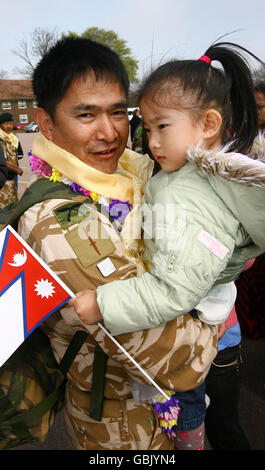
x=106, y=153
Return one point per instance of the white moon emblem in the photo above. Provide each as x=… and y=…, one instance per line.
x=19, y=259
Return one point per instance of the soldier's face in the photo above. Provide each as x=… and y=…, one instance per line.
x=7, y=126
x=91, y=122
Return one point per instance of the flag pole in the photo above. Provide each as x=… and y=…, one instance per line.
x=160, y=390
x=133, y=361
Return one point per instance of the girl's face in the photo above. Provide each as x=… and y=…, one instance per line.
x=170, y=132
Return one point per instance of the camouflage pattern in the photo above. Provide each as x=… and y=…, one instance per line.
x=24, y=385
x=176, y=355
x=124, y=426
x=8, y=193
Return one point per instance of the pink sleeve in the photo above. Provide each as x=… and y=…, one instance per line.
x=249, y=263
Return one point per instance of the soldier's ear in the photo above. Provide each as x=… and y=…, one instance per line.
x=44, y=121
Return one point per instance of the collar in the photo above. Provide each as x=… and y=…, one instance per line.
x=232, y=166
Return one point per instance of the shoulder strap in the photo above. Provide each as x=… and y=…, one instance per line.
x=41, y=190
x=72, y=350
x=24, y=420
x=98, y=384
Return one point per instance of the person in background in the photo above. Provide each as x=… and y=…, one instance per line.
x=134, y=122
x=223, y=382
x=259, y=92
x=250, y=302
x=3, y=167
x=11, y=145
x=137, y=142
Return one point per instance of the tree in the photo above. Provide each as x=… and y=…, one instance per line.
x=41, y=39
x=111, y=39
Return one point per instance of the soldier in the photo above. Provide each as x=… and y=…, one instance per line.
x=13, y=150
x=81, y=88
x=3, y=167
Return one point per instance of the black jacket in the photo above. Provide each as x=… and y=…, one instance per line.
x=134, y=123
x=3, y=167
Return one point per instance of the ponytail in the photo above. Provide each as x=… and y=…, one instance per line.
x=243, y=119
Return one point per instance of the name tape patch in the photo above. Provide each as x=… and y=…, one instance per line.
x=213, y=245
x=106, y=267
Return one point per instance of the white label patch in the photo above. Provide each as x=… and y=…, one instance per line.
x=213, y=245
x=106, y=267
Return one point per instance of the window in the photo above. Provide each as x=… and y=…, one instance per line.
x=6, y=104
x=23, y=118
x=22, y=104
x=35, y=104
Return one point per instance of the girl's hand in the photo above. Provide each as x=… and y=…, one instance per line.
x=86, y=307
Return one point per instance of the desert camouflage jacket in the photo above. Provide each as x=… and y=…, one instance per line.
x=73, y=236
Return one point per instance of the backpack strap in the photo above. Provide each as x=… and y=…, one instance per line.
x=23, y=421
x=72, y=350
x=41, y=190
x=98, y=384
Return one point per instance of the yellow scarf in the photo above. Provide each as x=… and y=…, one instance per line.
x=133, y=169
x=126, y=184
x=10, y=144
x=11, y=138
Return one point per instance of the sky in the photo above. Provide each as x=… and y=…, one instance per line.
x=155, y=30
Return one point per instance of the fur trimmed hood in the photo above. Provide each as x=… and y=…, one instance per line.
x=232, y=166
x=245, y=200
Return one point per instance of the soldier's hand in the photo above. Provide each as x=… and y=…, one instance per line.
x=86, y=307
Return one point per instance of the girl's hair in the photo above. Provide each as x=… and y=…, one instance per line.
x=259, y=80
x=196, y=85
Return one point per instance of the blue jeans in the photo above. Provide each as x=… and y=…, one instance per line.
x=193, y=408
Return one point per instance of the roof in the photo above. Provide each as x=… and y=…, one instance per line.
x=16, y=89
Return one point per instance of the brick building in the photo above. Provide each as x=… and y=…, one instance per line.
x=17, y=98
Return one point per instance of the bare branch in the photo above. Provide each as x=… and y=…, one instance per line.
x=32, y=50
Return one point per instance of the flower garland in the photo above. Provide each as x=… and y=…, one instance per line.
x=167, y=412
x=117, y=209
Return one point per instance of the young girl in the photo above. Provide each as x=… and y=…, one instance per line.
x=203, y=213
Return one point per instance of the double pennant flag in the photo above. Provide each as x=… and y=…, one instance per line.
x=29, y=292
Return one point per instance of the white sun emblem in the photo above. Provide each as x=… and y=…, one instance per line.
x=44, y=288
